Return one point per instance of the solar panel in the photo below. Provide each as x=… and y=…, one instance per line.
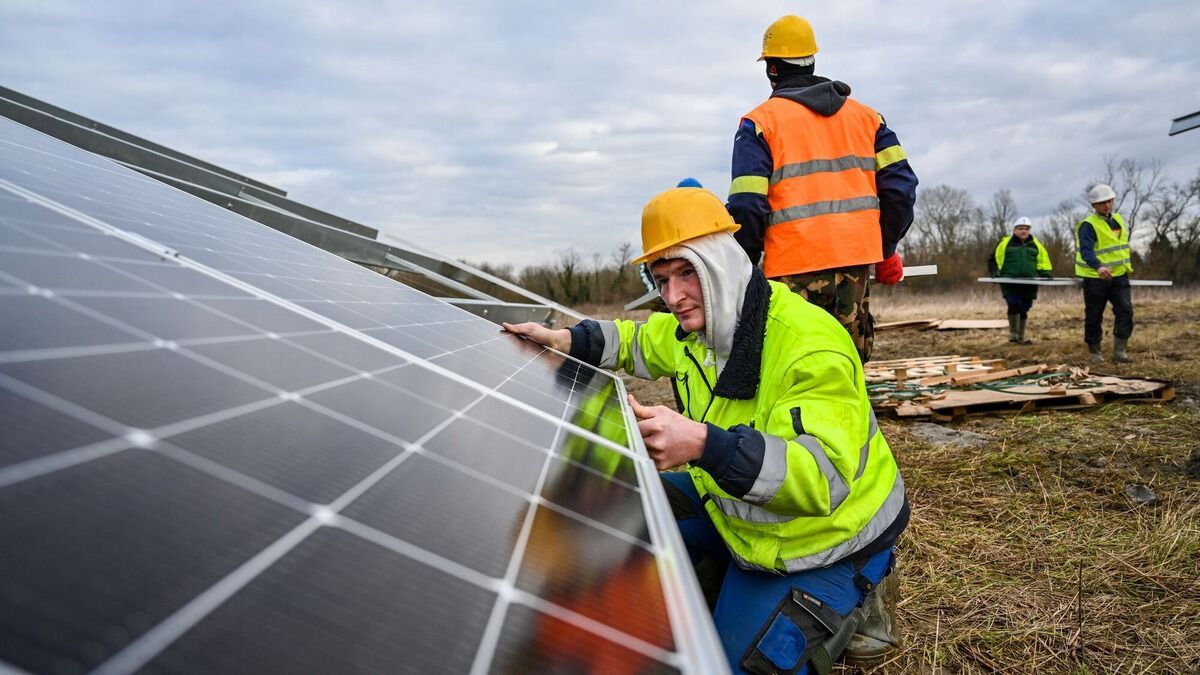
x=224, y=449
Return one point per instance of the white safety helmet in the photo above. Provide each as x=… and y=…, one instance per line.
x=1023, y=222
x=1100, y=193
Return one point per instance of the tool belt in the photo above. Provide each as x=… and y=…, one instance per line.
x=804, y=630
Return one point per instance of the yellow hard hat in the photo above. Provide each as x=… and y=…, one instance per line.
x=680, y=214
x=789, y=37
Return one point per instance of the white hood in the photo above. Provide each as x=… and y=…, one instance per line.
x=724, y=271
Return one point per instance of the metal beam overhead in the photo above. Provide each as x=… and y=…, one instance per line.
x=1185, y=123
x=27, y=110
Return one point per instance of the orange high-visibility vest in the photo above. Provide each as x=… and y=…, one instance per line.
x=824, y=206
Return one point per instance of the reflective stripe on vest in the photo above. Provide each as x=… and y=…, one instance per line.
x=824, y=206
x=838, y=491
x=876, y=526
x=1112, y=250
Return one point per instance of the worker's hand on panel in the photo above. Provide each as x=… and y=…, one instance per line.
x=559, y=338
x=671, y=439
x=890, y=271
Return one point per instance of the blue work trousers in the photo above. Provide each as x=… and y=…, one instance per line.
x=750, y=601
x=1018, y=304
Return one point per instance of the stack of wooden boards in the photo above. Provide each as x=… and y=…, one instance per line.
x=945, y=387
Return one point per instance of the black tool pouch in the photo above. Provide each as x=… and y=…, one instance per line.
x=789, y=639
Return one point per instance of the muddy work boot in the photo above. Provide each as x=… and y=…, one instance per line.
x=877, y=639
x=1094, y=354
x=1119, y=353
x=1021, y=339
x=1012, y=328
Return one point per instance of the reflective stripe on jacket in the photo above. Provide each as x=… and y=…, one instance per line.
x=1112, y=250
x=823, y=483
x=822, y=195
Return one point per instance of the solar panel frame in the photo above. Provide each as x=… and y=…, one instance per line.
x=690, y=627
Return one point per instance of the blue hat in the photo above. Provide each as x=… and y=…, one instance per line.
x=689, y=182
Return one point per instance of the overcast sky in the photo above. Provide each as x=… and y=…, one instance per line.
x=511, y=131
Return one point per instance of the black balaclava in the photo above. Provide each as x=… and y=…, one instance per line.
x=783, y=74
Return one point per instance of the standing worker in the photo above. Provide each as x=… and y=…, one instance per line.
x=789, y=487
x=1019, y=255
x=821, y=187
x=1102, y=260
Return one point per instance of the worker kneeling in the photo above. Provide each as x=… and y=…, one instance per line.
x=790, y=489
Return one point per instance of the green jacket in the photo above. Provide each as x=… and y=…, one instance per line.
x=1016, y=258
x=795, y=474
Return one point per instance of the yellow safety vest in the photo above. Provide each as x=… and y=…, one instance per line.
x=1111, y=249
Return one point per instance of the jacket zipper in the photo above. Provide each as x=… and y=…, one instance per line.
x=703, y=378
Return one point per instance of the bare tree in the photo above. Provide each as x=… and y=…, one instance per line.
x=1174, y=215
x=622, y=254
x=1000, y=214
x=1136, y=183
x=1172, y=211
x=944, y=219
x=1058, y=235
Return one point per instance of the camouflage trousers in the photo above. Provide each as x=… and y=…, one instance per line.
x=844, y=293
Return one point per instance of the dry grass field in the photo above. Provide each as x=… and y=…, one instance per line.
x=1024, y=555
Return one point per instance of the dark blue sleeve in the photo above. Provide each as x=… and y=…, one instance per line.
x=751, y=158
x=896, y=184
x=587, y=342
x=1087, y=245
x=733, y=457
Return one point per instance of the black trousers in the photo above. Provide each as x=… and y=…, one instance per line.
x=1096, y=294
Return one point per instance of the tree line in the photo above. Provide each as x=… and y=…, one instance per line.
x=954, y=232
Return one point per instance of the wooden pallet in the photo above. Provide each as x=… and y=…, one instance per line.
x=902, y=370
x=957, y=403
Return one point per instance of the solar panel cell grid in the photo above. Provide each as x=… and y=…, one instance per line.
x=217, y=469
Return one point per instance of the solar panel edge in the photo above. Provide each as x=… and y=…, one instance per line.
x=695, y=635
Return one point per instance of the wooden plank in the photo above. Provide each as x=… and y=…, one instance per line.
x=975, y=377
x=968, y=324
x=998, y=375
x=897, y=325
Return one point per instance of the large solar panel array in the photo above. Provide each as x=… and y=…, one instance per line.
x=222, y=449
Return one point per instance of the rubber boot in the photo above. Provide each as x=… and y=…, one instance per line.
x=1094, y=354
x=1119, y=353
x=1012, y=327
x=877, y=639
x=1021, y=339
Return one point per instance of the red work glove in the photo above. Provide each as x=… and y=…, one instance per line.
x=890, y=271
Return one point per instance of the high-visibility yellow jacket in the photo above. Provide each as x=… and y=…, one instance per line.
x=1111, y=249
x=796, y=474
